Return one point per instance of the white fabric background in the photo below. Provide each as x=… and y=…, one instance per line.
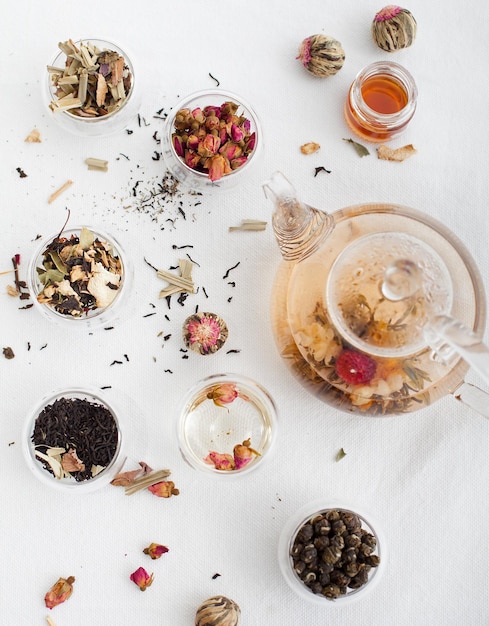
x=424, y=475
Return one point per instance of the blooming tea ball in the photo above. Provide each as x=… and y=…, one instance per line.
x=393, y=28
x=321, y=55
x=218, y=611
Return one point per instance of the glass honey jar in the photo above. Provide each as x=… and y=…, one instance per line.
x=381, y=101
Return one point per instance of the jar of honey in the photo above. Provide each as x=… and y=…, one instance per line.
x=381, y=101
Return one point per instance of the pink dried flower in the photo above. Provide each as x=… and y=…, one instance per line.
x=305, y=52
x=164, y=489
x=218, y=167
x=220, y=461
x=212, y=122
x=59, y=592
x=192, y=142
x=178, y=145
x=230, y=150
x=223, y=394
x=141, y=578
x=155, y=550
x=209, y=146
x=205, y=331
x=387, y=13
x=243, y=454
x=236, y=133
x=238, y=162
x=212, y=110
x=250, y=143
x=198, y=115
x=192, y=159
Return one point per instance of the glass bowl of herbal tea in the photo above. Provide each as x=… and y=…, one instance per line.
x=80, y=277
x=73, y=440
x=227, y=425
x=211, y=140
x=91, y=87
x=332, y=554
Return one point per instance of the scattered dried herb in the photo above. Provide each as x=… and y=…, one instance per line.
x=214, y=78
x=395, y=154
x=183, y=282
x=33, y=137
x=75, y=426
x=97, y=164
x=21, y=172
x=155, y=550
x=360, y=149
x=80, y=274
x=320, y=169
x=340, y=454
x=249, y=225
x=226, y=275
x=310, y=148
x=242, y=455
x=8, y=353
x=93, y=83
x=216, y=575
x=141, y=578
x=59, y=191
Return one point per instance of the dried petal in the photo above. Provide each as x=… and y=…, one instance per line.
x=220, y=461
x=141, y=578
x=216, y=167
x=155, y=550
x=164, y=489
x=310, y=148
x=59, y=592
x=395, y=154
x=71, y=463
x=127, y=478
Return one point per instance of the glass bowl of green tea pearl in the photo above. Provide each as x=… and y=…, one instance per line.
x=332, y=554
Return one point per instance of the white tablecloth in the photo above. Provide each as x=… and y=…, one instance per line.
x=423, y=475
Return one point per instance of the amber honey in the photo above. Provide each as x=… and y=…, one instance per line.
x=381, y=101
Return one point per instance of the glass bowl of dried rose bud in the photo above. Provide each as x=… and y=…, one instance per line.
x=211, y=140
x=73, y=440
x=331, y=554
x=91, y=88
x=227, y=425
x=80, y=277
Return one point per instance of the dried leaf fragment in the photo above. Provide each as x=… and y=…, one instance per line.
x=97, y=164
x=249, y=225
x=33, y=137
x=310, y=148
x=360, y=149
x=395, y=154
x=8, y=353
x=340, y=455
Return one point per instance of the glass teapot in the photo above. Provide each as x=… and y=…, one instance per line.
x=377, y=309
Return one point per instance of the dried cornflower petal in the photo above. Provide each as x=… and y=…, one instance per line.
x=59, y=592
x=205, y=332
x=141, y=578
x=164, y=489
x=155, y=550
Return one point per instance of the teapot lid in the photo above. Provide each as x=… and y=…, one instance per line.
x=382, y=290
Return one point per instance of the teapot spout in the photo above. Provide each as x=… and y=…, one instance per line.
x=299, y=228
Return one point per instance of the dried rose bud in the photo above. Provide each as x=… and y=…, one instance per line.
x=164, y=489
x=236, y=133
x=217, y=167
x=250, y=142
x=59, y=592
x=209, y=146
x=220, y=461
x=155, y=550
x=238, y=162
x=243, y=454
x=192, y=158
x=223, y=394
x=178, y=145
x=192, y=142
x=230, y=151
x=198, y=115
x=141, y=578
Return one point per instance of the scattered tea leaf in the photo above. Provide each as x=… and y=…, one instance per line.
x=360, y=149
x=8, y=353
x=33, y=137
x=340, y=455
x=320, y=169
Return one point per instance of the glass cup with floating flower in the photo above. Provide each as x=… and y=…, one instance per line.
x=91, y=87
x=81, y=278
x=332, y=554
x=211, y=140
x=227, y=425
x=73, y=440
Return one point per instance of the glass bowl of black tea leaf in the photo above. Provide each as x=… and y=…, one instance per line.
x=81, y=278
x=73, y=440
x=331, y=554
x=91, y=88
x=227, y=426
x=211, y=140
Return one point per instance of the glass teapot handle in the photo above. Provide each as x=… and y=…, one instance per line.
x=447, y=336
